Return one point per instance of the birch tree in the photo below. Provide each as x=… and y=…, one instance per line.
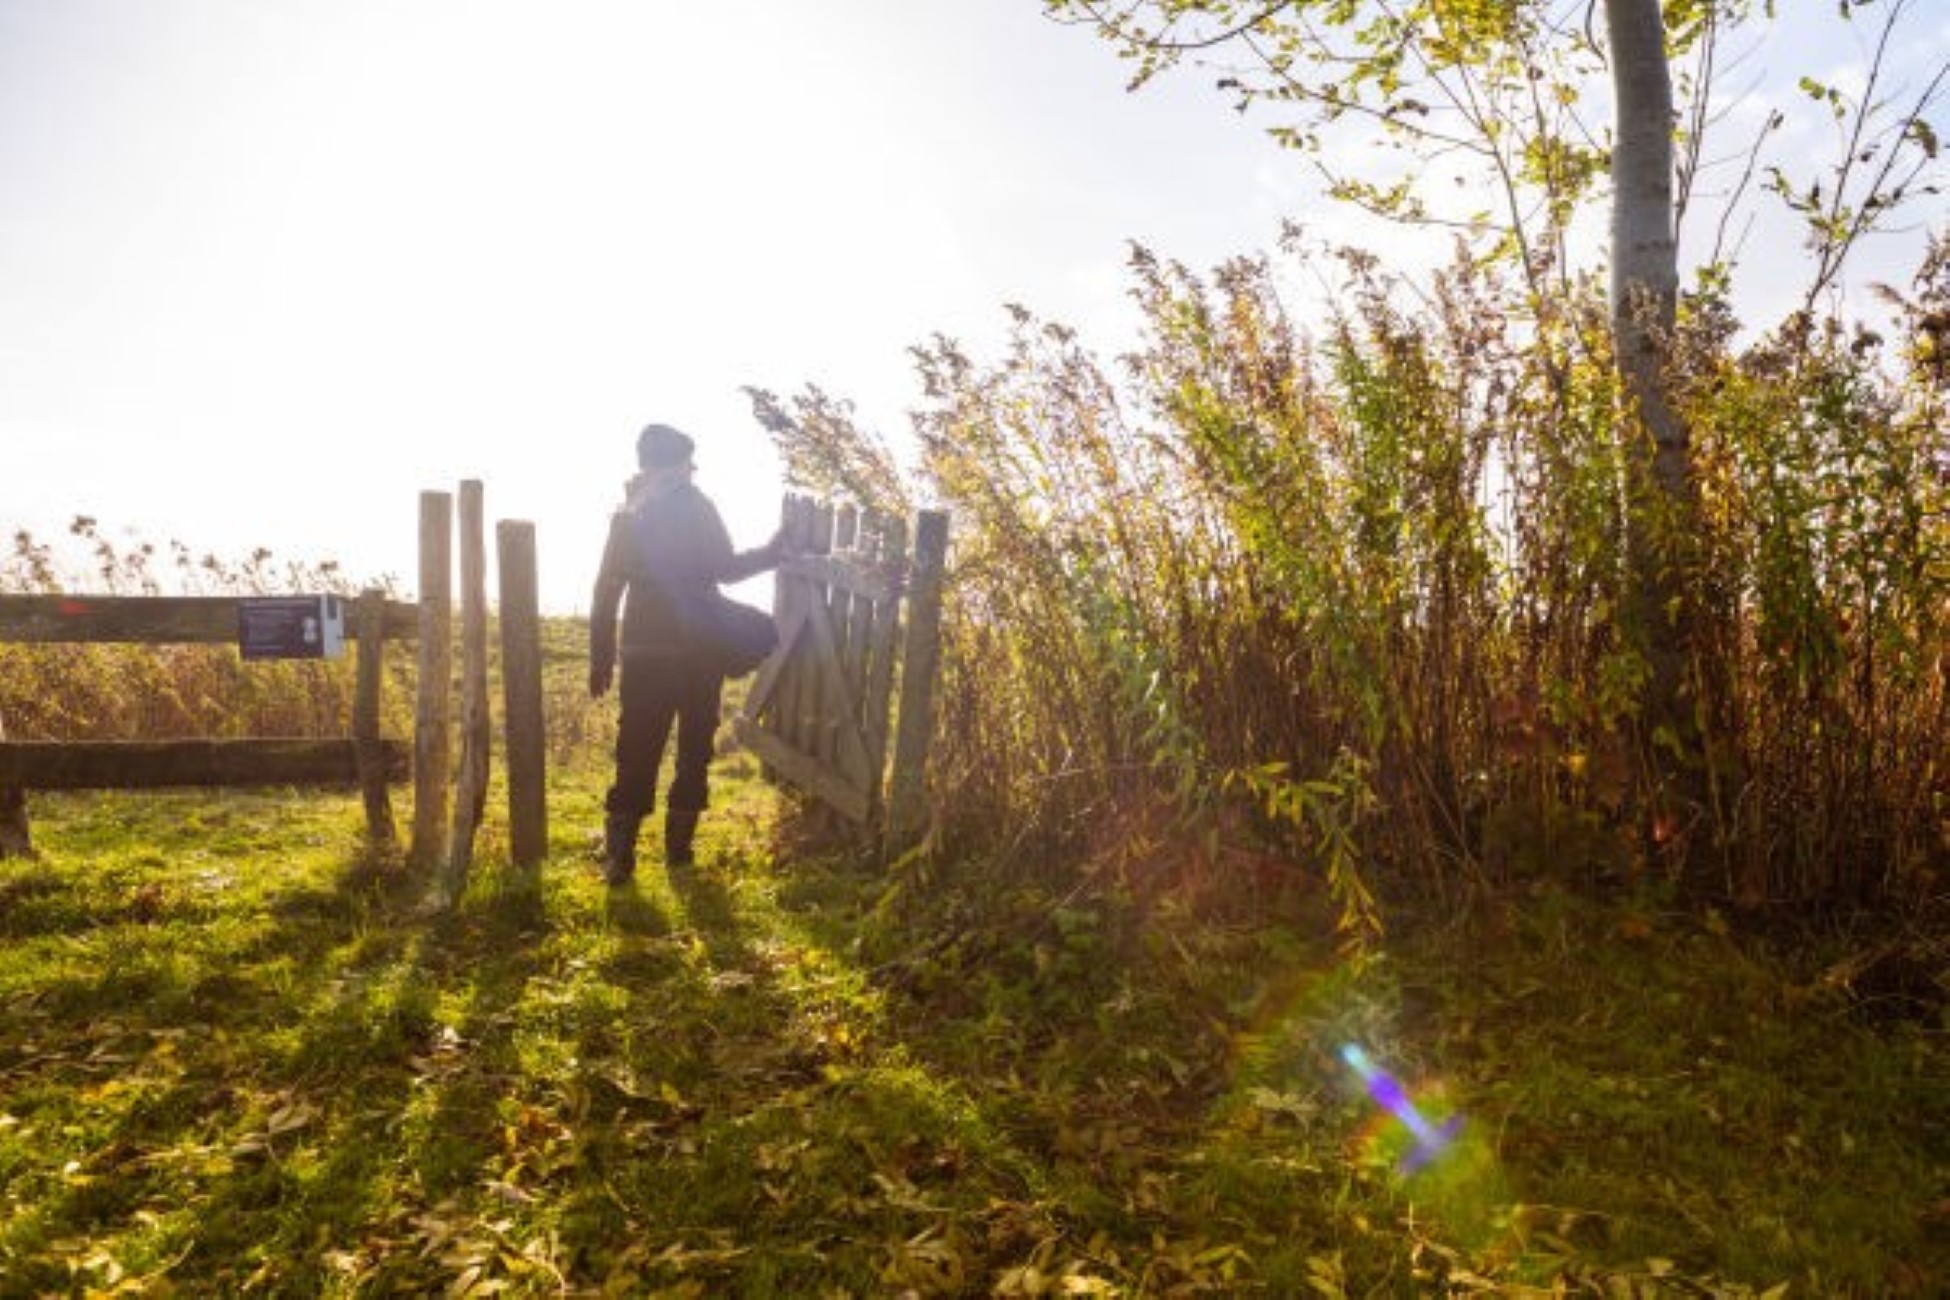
x=1496, y=93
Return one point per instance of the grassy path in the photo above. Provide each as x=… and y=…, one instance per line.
x=233, y=1060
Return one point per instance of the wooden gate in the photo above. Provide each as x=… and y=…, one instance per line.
x=821, y=713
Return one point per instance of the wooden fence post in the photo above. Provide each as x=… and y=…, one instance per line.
x=890, y=549
x=792, y=599
x=476, y=738
x=371, y=631
x=521, y=685
x=907, y=799
x=15, y=839
x=813, y=701
x=432, y=767
x=839, y=619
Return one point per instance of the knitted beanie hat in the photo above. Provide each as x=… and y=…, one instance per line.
x=659, y=447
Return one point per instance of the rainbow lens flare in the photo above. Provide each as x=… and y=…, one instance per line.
x=1431, y=1140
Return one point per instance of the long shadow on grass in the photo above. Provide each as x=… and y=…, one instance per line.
x=804, y=1149
x=683, y=1085
x=222, y=1093
x=305, y=1067
x=402, y=1098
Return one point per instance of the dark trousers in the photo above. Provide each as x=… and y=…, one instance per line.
x=657, y=691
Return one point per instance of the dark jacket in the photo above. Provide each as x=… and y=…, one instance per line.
x=667, y=553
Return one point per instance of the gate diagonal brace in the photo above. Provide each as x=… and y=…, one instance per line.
x=853, y=760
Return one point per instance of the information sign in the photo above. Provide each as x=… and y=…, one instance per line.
x=290, y=627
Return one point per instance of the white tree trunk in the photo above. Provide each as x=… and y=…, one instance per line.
x=1672, y=603
x=1644, y=253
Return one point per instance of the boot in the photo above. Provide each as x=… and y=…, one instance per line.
x=680, y=827
x=619, y=847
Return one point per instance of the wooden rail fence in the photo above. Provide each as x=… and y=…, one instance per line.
x=364, y=758
x=821, y=712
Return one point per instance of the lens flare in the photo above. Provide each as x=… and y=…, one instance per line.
x=1431, y=1140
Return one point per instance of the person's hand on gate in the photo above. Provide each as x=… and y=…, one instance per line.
x=780, y=547
x=600, y=676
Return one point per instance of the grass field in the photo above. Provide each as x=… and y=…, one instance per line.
x=238, y=1058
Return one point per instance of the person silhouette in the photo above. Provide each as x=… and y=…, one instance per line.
x=677, y=640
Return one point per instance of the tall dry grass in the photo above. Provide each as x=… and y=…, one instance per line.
x=161, y=692
x=156, y=692
x=1359, y=594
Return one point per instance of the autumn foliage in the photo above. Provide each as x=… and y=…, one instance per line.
x=1355, y=592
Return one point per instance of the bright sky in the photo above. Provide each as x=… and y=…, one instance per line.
x=269, y=268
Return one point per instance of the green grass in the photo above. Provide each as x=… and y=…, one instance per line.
x=237, y=1057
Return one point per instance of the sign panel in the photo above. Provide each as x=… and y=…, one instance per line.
x=290, y=627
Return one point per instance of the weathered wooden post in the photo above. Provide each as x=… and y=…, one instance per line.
x=476, y=730
x=907, y=799
x=885, y=617
x=370, y=631
x=521, y=685
x=15, y=839
x=790, y=606
x=432, y=767
x=839, y=608
x=817, y=701
x=859, y=616
x=820, y=700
